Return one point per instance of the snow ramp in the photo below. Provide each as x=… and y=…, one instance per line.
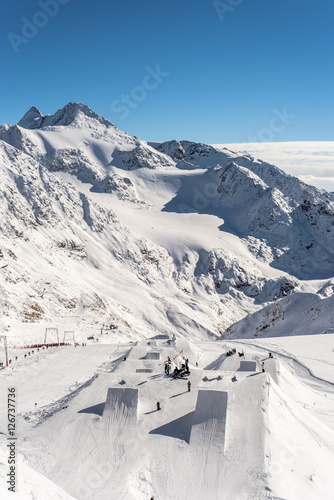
x=209, y=422
x=247, y=366
x=204, y=476
x=152, y=355
x=121, y=406
x=226, y=456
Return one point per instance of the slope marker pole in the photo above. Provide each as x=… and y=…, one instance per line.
x=4, y=338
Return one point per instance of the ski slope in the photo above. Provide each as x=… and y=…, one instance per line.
x=236, y=434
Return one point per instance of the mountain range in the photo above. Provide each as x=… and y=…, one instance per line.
x=99, y=227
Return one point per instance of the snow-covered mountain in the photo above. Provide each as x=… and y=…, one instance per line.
x=120, y=242
x=298, y=314
x=310, y=161
x=174, y=237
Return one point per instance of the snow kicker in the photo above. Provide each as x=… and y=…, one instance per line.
x=209, y=423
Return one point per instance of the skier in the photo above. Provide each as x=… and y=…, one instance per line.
x=189, y=385
x=158, y=406
x=168, y=368
x=263, y=370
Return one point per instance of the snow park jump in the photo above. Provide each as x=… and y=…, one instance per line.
x=121, y=407
x=247, y=366
x=209, y=424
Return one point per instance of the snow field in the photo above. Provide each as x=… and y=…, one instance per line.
x=273, y=430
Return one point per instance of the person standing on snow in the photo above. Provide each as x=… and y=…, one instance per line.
x=189, y=385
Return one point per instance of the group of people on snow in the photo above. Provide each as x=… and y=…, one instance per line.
x=177, y=372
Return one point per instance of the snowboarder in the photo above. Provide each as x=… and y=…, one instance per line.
x=189, y=385
x=158, y=406
x=263, y=370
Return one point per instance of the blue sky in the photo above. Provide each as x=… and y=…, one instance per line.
x=210, y=71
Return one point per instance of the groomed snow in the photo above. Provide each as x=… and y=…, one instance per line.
x=277, y=440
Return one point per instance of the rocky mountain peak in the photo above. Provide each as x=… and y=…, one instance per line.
x=74, y=114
